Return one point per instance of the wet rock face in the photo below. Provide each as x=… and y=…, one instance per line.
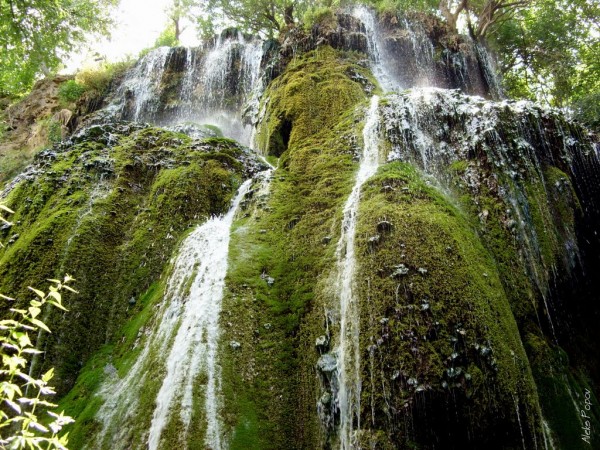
x=526, y=180
x=418, y=49
x=342, y=32
x=422, y=52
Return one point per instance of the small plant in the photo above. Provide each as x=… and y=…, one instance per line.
x=23, y=394
x=54, y=131
x=70, y=91
x=98, y=79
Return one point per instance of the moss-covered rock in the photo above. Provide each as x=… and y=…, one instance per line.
x=282, y=252
x=109, y=208
x=443, y=363
x=471, y=243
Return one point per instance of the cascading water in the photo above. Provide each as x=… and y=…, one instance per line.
x=422, y=128
x=142, y=85
x=422, y=58
x=219, y=85
x=382, y=71
x=348, y=349
x=407, y=60
x=184, y=342
x=418, y=67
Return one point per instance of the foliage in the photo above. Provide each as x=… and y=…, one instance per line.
x=35, y=35
x=266, y=17
x=98, y=79
x=25, y=428
x=168, y=38
x=315, y=15
x=70, y=91
x=549, y=51
x=20, y=426
x=178, y=11
x=392, y=6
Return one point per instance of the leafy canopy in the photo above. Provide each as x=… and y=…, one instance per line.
x=549, y=51
x=35, y=35
x=267, y=17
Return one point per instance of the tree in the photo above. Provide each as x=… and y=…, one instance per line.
x=451, y=11
x=35, y=35
x=546, y=51
x=267, y=17
x=178, y=10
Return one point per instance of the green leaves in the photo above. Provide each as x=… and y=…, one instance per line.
x=544, y=51
x=35, y=35
x=266, y=17
x=20, y=414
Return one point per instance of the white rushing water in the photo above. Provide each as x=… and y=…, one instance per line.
x=218, y=86
x=196, y=307
x=143, y=84
x=380, y=70
x=348, y=350
x=184, y=341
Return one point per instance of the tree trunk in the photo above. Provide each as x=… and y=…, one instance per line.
x=177, y=28
x=288, y=14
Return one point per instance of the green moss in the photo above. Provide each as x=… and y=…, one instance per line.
x=110, y=216
x=288, y=234
x=562, y=394
x=553, y=207
x=306, y=102
x=442, y=330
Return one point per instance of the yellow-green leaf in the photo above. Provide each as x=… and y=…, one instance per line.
x=56, y=295
x=34, y=311
x=24, y=340
x=48, y=375
x=40, y=324
x=58, y=305
x=37, y=292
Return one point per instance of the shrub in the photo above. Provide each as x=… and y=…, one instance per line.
x=98, y=79
x=23, y=394
x=70, y=91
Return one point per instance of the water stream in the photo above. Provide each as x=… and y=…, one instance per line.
x=381, y=71
x=184, y=342
x=218, y=85
x=348, y=349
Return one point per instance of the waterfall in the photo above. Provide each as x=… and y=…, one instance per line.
x=142, y=86
x=184, y=342
x=435, y=128
x=348, y=349
x=381, y=71
x=421, y=61
x=219, y=85
x=406, y=58
x=417, y=66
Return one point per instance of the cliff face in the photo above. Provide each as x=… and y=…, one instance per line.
x=416, y=272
